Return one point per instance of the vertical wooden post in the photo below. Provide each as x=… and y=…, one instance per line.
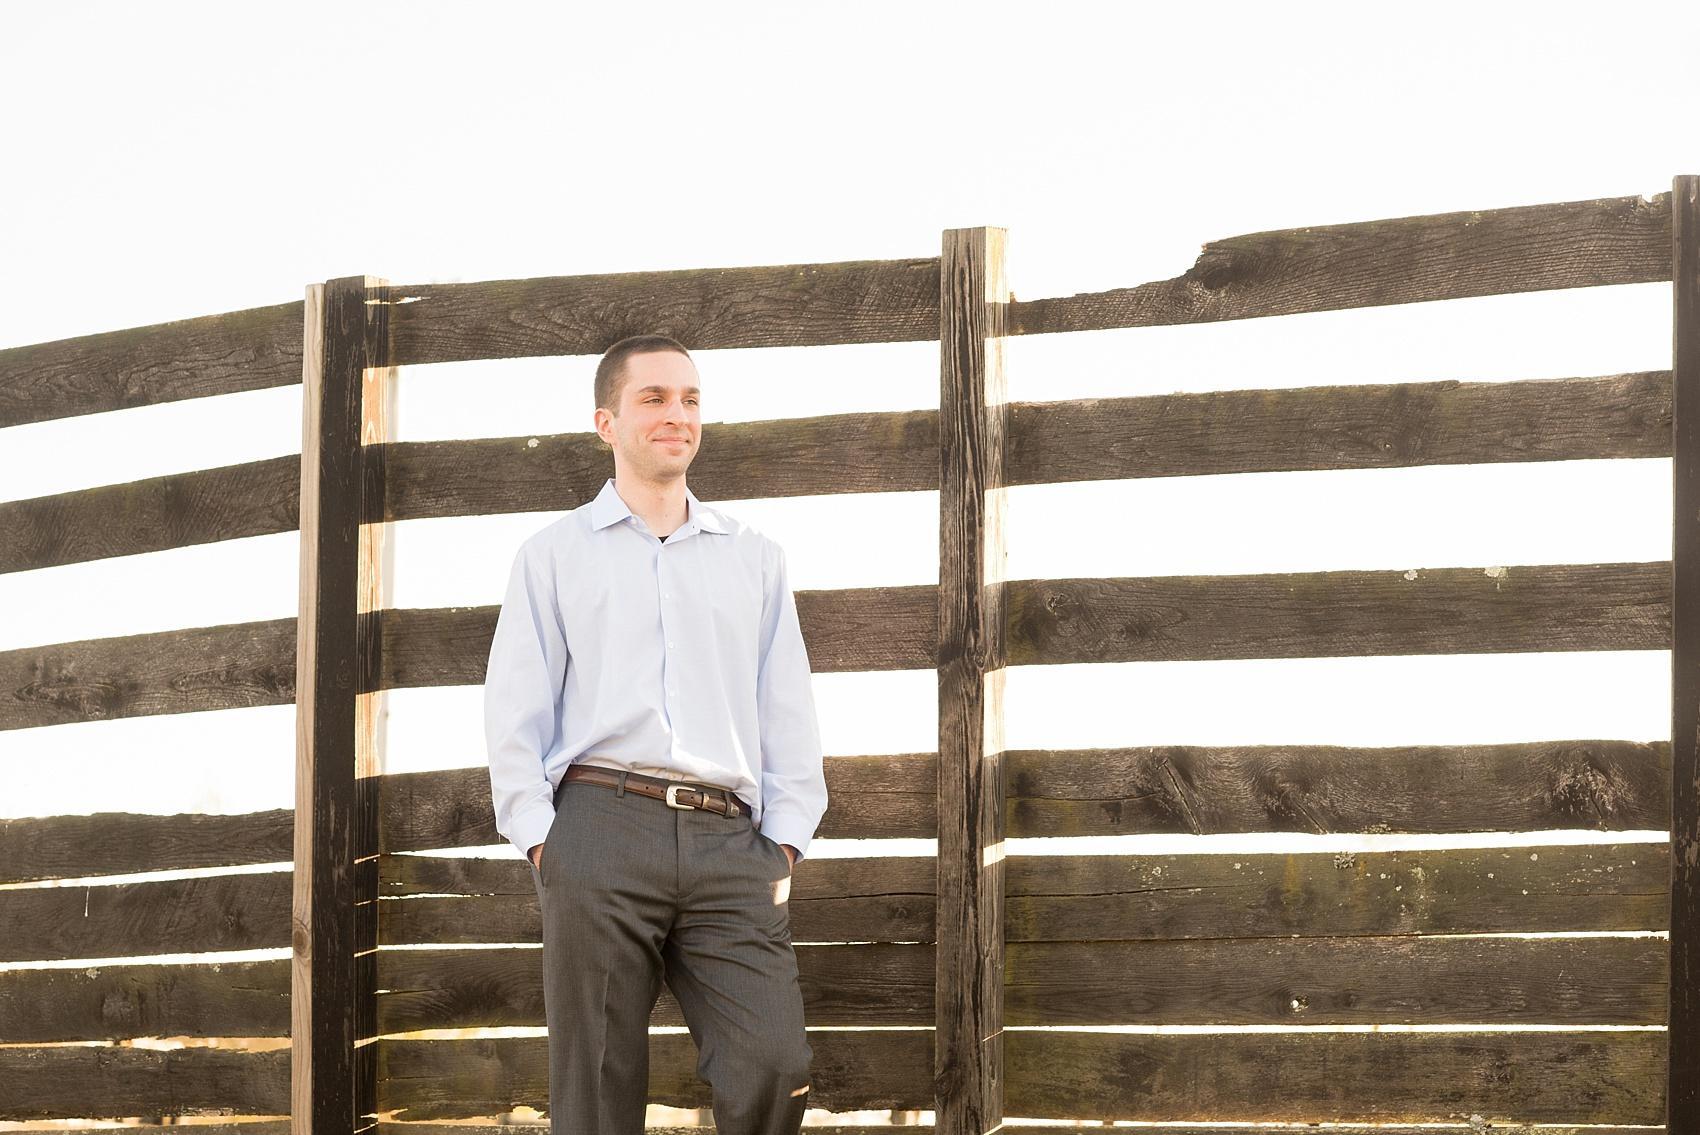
x=968, y=1044
x=1683, y=1096
x=345, y=391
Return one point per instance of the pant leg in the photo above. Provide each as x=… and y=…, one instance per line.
x=605, y=886
x=730, y=963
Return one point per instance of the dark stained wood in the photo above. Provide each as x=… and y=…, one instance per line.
x=834, y=453
x=1571, y=244
x=1199, y=790
x=1685, y=664
x=253, y=664
x=118, y=1002
x=117, y=843
x=181, y=671
x=1460, y=610
x=143, y=366
x=791, y=305
x=855, y=986
x=870, y=984
x=1340, y=427
x=973, y=420
x=447, y=1079
x=256, y=499
x=1494, y=890
x=463, y=901
x=1339, y=981
x=1172, y=789
x=83, y=1082
x=337, y=647
x=1515, y=1077
x=1240, y=431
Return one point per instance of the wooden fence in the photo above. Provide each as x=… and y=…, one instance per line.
x=967, y=952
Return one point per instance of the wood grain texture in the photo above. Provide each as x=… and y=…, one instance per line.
x=89, y=1082
x=144, y=366
x=851, y=986
x=1339, y=981
x=1240, y=431
x=1315, y=1076
x=337, y=648
x=1685, y=664
x=120, y=1002
x=973, y=421
x=117, y=843
x=1494, y=890
x=446, y=1079
x=791, y=305
x=1204, y=790
x=1462, y=610
x=1570, y=244
x=1382, y=426
x=253, y=664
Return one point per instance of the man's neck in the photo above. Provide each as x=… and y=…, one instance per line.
x=661, y=504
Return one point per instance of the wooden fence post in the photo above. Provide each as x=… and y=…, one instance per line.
x=1683, y=1097
x=345, y=390
x=968, y=1044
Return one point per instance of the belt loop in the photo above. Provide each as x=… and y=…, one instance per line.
x=620, y=790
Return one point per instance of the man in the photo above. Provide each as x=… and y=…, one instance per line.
x=654, y=751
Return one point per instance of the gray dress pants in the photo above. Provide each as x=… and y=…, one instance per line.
x=633, y=892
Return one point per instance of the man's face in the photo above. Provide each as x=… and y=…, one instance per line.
x=656, y=433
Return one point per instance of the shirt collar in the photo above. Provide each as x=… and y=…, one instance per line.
x=610, y=508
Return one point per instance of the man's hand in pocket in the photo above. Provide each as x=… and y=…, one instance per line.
x=537, y=857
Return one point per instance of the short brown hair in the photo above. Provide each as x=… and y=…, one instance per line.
x=611, y=370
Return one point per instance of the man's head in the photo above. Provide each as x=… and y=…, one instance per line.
x=648, y=407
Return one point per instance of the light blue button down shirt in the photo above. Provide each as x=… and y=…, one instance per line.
x=681, y=658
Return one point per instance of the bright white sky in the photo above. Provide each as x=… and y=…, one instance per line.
x=174, y=160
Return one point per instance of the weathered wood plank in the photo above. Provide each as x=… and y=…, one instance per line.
x=1172, y=789
x=1339, y=981
x=791, y=305
x=1570, y=244
x=143, y=366
x=1460, y=610
x=973, y=422
x=870, y=984
x=84, y=1082
x=121, y=1002
x=182, y=671
x=343, y=401
x=1240, y=431
x=253, y=664
x=1318, y=1075
x=1685, y=664
x=855, y=986
x=1495, y=890
x=249, y=911
x=446, y=1079
x=1387, y=426
x=1200, y=790
x=177, y=511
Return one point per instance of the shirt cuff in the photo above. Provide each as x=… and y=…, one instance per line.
x=793, y=830
x=530, y=827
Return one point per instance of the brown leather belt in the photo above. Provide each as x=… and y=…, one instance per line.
x=675, y=793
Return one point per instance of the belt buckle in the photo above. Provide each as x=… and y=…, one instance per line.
x=673, y=798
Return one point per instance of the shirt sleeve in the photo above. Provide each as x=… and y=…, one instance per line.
x=793, y=779
x=522, y=692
